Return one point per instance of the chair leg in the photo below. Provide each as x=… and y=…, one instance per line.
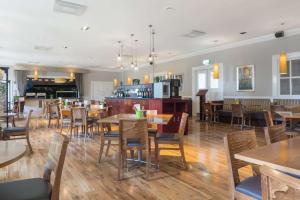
x=29, y=145
x=231, y=121
x=107, y=148
x=101, y=148
x=148, y=160
x=120, y=167
x=182, y=154
x=49, y=122
x=156, y=154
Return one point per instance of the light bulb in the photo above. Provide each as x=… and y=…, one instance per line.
x=119, y=57
x=122, y=67
x=132, y=65
x=150, y=58
x=136, y=68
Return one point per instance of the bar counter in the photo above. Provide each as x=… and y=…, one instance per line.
x=175, y=106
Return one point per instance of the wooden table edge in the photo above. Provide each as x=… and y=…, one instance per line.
x=272, y=165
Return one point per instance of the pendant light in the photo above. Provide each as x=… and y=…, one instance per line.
x=72, y=76
x=150, y=58
x=120, y=51
x=283, y=68
x=216, y=71
x=136, y=55
x=132, y=63
x=35, y=75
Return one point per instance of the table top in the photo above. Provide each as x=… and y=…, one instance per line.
x=283, y=155
x=3, y=115
x=288, y=115
x=161, y=119
x=11, y=151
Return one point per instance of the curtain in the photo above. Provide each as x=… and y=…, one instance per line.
x=78, y=82
x=21, y=80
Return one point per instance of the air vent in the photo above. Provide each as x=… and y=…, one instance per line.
x=73, y=7
x=42, y=48
x=194, y=34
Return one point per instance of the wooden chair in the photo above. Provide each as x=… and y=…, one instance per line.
x=172, y=138
x=275, y=108
x=238, y=112
x=40, y=188
x=279, y=186
x=275, y=133
x=106, y=134
x=237, y=142
x=53, y=113
x=268, y=118
x=208, y=113
x=80, y=119
x=133, y=136
x=14, y=133
x=66, y=119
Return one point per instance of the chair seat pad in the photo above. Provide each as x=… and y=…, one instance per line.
x=251, y=187
x=14, y=130
x=112, y=134
x=29, y=189
x=134, y=143
x=167, y=137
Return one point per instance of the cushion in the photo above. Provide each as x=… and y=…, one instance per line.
x=133, y=143
x=14, y=130
x=251, y=187
x=29, y=189
x=167, y=137
x=112, y=134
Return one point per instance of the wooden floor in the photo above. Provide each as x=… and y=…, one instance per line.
x=83, y=179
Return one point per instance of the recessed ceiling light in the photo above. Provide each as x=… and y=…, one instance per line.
x=85, y=28
x=282, y=23
x=216, y=41
x=169, y=8
x=65, y=47
x=243, y=33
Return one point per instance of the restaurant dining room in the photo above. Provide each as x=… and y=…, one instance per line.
x=154, y=100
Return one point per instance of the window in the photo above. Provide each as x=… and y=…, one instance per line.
x=202, y=81
x=289, y=84
x=214, y=83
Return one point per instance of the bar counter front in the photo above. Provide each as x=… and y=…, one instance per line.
x=174, y=106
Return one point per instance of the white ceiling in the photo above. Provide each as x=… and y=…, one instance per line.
x=30, y=23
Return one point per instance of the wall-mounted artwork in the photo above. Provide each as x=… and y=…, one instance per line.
x=245, y=78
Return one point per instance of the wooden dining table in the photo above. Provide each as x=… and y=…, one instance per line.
x=10, y=152
x=283, y=156
x=159, y=119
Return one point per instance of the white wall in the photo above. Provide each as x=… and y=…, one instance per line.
x=259, y=54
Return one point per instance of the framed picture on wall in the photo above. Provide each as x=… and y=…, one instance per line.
x=245, y=78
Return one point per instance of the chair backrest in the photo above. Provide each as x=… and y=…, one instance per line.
x=237, y=110
x=183, y=121
x=275, y=108
x=133, y=129
x=275, y=133
x=109, y=111
x=56, y=157
x=208, y=109
x=268, y=118
x=236, y=142
x=277, y=185
x=79, y=114
x=296, y=109
x=53, y=109
x=106, y=126
x=28, y=119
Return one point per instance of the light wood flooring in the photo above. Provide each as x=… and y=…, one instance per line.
x=83, y=178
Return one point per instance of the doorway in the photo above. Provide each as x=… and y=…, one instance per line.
x=203, y=79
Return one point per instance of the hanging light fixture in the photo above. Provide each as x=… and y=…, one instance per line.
x=120, y=51
x=283, y=68
x=136, y=55
x=35, y=75
x=150, y=57
x=132, y=63
x=72, y=76
x=216, y=71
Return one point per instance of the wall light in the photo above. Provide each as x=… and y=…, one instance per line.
x=283, y=68
x=35, y=75
x=216, y=71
